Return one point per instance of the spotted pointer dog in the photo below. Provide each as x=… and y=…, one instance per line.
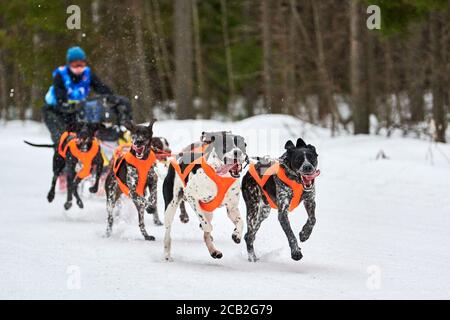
x=206, y=175
x=281, y=185
x=133, y=174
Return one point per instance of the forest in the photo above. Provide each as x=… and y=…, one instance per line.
x=232, y=59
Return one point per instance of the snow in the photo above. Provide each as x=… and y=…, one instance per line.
x=381, y=232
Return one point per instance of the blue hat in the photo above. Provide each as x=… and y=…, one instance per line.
x=74, y=54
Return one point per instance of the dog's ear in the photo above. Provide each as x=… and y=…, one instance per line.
x=311, y=147
x=289, y=145
x=150, y=125
x=300, y=143
x=130, y=126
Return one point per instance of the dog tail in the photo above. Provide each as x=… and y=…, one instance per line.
x=39, y=145
x=168, y=186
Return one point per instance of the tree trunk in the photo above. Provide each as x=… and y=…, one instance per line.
x=205, y=106
x=35, y=94
x=360, y=108
x=146, y=96
x=438, y=76
x=149, y=17
x=292, y=58
x=228, y=57
x=19, y=103
x=183, y=59
x=3, y=89
x=267, y=57
x=165, y=55
x=415, y=75
x=388, y=85
x=326, y=84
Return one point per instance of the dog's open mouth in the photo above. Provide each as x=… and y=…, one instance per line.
x=234, y=169
x=139, y=151
x=308, y=179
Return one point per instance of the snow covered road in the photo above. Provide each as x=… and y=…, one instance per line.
x=382, y=232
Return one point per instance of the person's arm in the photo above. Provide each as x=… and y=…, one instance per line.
x=60, y=89
x=98, y=86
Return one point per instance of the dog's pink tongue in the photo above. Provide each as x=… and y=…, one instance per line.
x=138, y=150
x=310, y=178
x=224, y=169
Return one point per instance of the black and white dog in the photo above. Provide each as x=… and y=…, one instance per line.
x=77, y=147
x=299, y=165
x=126, y=172
x=214, y=181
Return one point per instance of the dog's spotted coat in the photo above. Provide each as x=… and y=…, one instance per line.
x=141, y=137
x=297, y=161
x=227, y=151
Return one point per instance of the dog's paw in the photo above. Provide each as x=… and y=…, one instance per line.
x=108, y=233
x=51, y=196
x=157, y=222
x=184, y=218
x=68, y=205
x=296, y=255
x=236, y=238
x=149, y=238
x=93, y=189
x=252, y=257
x=80, y=204
x=304, y=235
x=216, y=254
x=168, y=258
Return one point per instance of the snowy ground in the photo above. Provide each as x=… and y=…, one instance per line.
x=382, y=227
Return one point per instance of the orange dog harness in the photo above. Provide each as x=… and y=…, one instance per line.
x=297, y=188
x=142, y=167
x=62, y=151
x=85, y=158
x=222, y=183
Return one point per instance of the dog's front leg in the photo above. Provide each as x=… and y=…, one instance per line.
x=140, y=203
x=235, y=217
x=152, y=201
x=284, y=197
x=232, y=204
x=70, y=178
x=184, y=217
x=112, y=195
x=75, y=184
x=296, y=253
x=207, y=217
x=205, y=223
x=310, y=206
x=98, y=173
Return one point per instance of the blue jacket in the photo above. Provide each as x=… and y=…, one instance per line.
x=75, y=91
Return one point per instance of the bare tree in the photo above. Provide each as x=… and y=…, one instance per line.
x=157, y=52
x=438, y=76
x=183, y=59
x=226, y=40
x=140, y=64
x=3, y=88
x=205, y=106
x=360, y=108
x=267, y=57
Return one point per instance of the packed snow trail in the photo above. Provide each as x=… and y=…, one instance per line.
x=382, y=227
